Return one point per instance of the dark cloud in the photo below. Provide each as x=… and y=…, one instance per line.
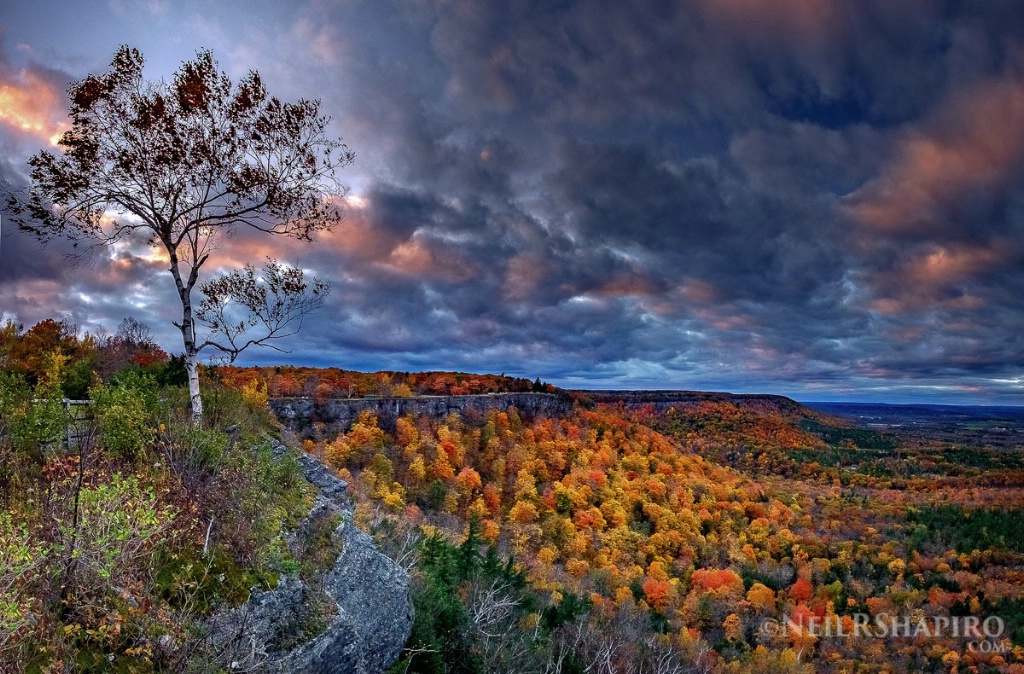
x=813, y=197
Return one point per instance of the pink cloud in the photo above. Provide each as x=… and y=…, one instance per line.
x=419, y=258
x=627, y=285
x=938, y=277
x=946, y=265
x=975, y=141
x=523, y=275
x=32, y=104
x=806, y=20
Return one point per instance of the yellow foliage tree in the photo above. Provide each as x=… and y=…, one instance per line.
x=523, y=512
x=761, y=597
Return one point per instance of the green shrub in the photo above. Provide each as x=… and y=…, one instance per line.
x=124, y=413
x=46, y=420
x=22, y=557
x=117, y=524
x=202, y=448
x=318, y=544
x=14, y=403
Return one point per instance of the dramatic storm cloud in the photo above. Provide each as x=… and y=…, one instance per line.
x=823, y=198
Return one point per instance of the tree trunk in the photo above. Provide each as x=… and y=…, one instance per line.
x=188, y=331
x=192, y=368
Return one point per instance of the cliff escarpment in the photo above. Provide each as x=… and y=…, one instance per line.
x=338, y=415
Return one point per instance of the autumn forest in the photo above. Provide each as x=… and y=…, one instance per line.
x=697, y=532
x=690, y=532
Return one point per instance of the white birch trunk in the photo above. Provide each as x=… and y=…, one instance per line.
x=192, y=368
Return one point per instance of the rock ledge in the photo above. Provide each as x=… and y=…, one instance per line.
x=369, y=610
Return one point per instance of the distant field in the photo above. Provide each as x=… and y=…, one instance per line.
x=971, y=424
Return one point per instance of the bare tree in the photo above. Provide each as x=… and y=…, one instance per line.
x=134, y=332
x=181, y=165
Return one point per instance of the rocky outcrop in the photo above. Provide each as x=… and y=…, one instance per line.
x=339, y=414
x=354, y=619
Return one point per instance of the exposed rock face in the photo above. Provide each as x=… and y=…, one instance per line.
x=369, y=612
x=339, y=414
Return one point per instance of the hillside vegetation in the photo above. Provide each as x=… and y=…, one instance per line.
x=678, y=538
x=124, y=526
x=322, y=383
x=711, y=533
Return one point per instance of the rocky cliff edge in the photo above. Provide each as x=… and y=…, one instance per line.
x=359, y=609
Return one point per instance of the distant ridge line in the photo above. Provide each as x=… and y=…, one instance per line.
x=673, y=392
x=666, y=395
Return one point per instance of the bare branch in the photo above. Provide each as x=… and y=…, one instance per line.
x=274, y=302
